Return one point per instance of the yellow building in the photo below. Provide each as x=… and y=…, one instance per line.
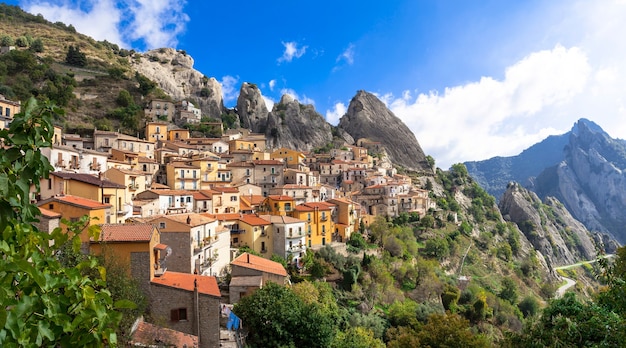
x=320, y=226
x=8, y=109
x=134, y=181
x=240, y=144
x=73, y=208
x=156, y=131
x=90, y=187
x=182, y=176
x=293, y=158
x=347, y=220
x=253, y=232
x=177, y=134
x=208, y=170
x=278, y=205
x=126, y=242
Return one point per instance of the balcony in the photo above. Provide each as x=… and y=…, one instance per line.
x=133, y=186
x=209, y=240
x=296, y=235
x=324, y=218
x=296, y=249
x=264, y=250
x=94, y=166
x=237, y=231
x=60, y=163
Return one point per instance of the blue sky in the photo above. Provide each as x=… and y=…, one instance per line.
x=472, y=79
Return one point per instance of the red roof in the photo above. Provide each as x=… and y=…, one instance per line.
x=253, y=220
x=280, y=198
x=258, y=263
x=126, y=232
x=150, y=335
x=225, y=189
x=81, y=202
x=185, y=281
x=49, y=213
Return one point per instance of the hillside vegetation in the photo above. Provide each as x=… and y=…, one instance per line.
x=459, y=276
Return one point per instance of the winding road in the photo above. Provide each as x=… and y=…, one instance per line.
x=571, y=282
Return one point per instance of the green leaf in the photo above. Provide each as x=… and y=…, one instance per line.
x=124, y=304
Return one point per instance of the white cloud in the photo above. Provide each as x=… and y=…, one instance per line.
x=152, y=23
x=291, y=51
x=302, y=99
x=347, y=55
x=229, y=88
x=100, y=19
x=333, y=116
x=157, y=22
x=272, y=84
x=487, y=118
x=269, y=103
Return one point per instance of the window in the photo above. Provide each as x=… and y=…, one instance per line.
x=8, y=112
x=161, y=224
x=188, y=199
x=233, y=198
x=107, y=200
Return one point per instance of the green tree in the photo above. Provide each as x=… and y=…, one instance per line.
x=48, y=304
x=276, y=317
x=75, y=57
x=124, y=99
x=37, y=46
x=357, y=337
x=6, y=40
x=529, y=306
x=145, y=84
x=509, y=290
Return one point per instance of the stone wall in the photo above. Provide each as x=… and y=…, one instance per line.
x=165, y=299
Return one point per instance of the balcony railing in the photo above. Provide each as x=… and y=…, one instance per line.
x=296, y=249
x=237, y=231
x=324, y=218
x=264, y=250
x=133, y=186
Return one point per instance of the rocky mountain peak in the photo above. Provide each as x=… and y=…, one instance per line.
x=368, y=117
x=251, y=108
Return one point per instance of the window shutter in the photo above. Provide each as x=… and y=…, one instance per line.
x=174, y=314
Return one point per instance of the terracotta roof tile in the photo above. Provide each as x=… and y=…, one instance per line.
x=150, y=335
x=281, y=198
x=253, y=220
x=78, y=201
x=126, y=232
x=185, y=281
x=194, y=219
x=49, y=213
x=258, y=263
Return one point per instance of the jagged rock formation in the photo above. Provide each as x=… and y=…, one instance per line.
x=251, y=108
x=591, y=180
x=174, y=73
x=550, y=228
x=297, y=126
x=367, y=117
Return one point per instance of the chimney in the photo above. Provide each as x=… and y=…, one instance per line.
x=189, y=219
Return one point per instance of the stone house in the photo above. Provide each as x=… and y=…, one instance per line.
x=188, y=303
x=250, y=272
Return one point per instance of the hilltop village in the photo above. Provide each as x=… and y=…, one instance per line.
x=177, y=209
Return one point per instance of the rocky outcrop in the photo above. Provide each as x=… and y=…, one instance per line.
x=367, y=117
x=173, y=72
x=297, y=126
x=548, y=225
x=251, y=108
x=590, y=181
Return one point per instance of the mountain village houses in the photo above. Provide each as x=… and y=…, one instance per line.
x=176, y=209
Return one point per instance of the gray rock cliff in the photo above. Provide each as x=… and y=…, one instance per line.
x=591, y=180
x=251, y=108
x=173, y=72
x=548, y=225
x=297, y=126
x=367, y=117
